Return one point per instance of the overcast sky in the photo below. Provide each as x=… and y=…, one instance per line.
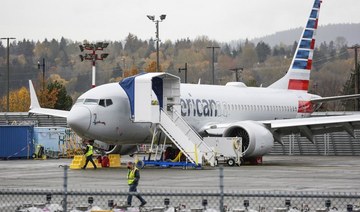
x=223, y=20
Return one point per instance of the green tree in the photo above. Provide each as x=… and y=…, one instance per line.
x=150, y=49
x=263, y=50
x=343, y=53
x=64, y=59
x=132, y=43
x=64, y=101
x=25, y=48
x=294, y=47
x=248, y=57
x=332, y=51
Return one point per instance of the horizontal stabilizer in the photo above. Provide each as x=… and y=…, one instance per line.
x=36, y=109
x=335, y=98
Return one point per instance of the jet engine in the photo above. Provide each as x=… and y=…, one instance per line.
x=257, y=140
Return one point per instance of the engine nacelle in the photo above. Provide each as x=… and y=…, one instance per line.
x=257, y=140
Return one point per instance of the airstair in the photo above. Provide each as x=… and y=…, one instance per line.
x=155, y=98
x=185, y=138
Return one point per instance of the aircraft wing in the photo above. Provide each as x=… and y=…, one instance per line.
x=36, y=109
x=307, y=127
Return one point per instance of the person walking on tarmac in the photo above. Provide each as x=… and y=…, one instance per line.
x=133, y=178
x=89, y=154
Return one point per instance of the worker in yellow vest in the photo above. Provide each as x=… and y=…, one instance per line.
x=89, y=154
x=133, y=178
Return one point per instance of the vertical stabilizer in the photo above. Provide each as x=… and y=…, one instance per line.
x=298, y=75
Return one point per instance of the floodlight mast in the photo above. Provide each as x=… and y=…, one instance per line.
x=93, y=47
x=8, y=73
x=152, y=18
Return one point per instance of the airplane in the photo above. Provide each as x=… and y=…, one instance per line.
x=259, y=115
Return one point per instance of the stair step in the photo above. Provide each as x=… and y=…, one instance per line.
x=184, y=137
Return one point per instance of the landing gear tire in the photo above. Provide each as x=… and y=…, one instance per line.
x=230, y=162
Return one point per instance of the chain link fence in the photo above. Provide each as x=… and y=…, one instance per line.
x=16, y=200
x=185, y=200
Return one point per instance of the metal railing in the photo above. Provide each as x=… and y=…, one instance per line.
x=183, y=200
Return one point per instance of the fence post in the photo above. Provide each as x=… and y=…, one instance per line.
x=65, y=188
x=221, y=169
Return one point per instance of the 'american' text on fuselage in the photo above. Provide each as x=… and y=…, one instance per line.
x=199, y=107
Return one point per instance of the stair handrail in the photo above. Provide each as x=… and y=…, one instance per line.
x=192, y=129
x=173, y=139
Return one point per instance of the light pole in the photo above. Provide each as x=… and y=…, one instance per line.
x=8, y=73
x=236, y=70
x=43, y=69
x=152, y=18
x=213, y=61
x=184, y=69
x=99, y=46
x=357, y=75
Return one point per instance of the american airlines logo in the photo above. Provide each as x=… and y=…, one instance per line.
x=199, y=107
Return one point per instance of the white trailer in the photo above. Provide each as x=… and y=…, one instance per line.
x=227, y=149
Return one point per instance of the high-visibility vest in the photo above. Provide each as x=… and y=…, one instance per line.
x=90, y=150
x=131, y=176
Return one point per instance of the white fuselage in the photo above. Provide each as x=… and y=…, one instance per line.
x=103, y=113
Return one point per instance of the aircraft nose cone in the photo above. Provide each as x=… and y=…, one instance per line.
x=79, y=119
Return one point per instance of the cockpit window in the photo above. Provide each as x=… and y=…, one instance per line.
x=109, y=102
x=105, y=102
x=91, y=101
x=102, y=102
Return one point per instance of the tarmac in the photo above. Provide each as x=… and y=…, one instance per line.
x=277, y=173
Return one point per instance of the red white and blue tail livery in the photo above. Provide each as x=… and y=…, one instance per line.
x=298, y=75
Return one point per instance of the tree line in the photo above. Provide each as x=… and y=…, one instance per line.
x=262, y=65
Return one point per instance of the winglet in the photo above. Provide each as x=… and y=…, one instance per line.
x=34, y=100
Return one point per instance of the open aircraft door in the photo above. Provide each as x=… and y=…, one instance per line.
x=151, y=92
